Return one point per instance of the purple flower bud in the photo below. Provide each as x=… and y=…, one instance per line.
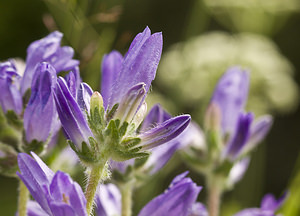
x=10, y=98
x=231, y=95
x=269, y=205
x=47, y=49
x=108, y=201
x=57, y=194
x=177, y=200
x=139, y=65
x=40, y=115
x=240, y=137
x=164, y=132
x=130, y=103
x=72, y=119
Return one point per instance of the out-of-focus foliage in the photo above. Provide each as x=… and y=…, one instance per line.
x=292, y=206
x=260, y=16
x=190, y=70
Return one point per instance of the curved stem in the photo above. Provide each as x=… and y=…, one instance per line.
x=126, y=191
x=23, y=198
x=95, y=177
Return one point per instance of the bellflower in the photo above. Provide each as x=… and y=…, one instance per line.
x=237, y=128
x=269, y=205
x=40, y=115
x=179, y=199
x=10, y=98
x=109, y=122
x=47, y=49
x=57, y=194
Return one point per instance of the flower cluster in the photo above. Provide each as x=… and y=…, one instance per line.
x=112, y=133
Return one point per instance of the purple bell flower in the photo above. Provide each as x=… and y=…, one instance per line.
x=57, y=194
x=73, y=120
x=269, y=205
x=119, y=74
x=47, y=49
x=179, y=199
x=40, y=116
x=10, y=98
x=237, y=127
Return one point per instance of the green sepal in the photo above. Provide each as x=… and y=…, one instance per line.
x=10, y=136
x=224, y=168
x=34, y=146
x=8, y=160
x=13, y=119
x=139, y=162
x=123, y=177
x=130, y=142
x=110, y=113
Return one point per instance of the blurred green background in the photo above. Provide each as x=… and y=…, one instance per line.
x=201, y=39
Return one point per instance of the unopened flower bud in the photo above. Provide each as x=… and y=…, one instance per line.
x=96, y=103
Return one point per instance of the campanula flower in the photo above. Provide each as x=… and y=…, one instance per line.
x=269, y=205
x=40, y=116
x=238, y=129
x=179, y=199
x=47, y=49
x=56, y=193
x=110, y=121
x=10, y=98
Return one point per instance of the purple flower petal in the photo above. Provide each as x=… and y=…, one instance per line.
x=240, y=136
x=72, y=119
x=10, y=98
x=270, y=203
x=164, y=132
x=34, y=209
x=259, y=129
x=198, y=209
x=177, y=200
x=155, y=116
x=129, y=105
x=108, y=201
x=64, y=190
x=57, y=194
x=84, y=96
x=35, y=174
x=40, y=113
x=231, y=95
x=269, y=206
x=139, y=65
x=238, y=170
x=111, y=68
x=47, y=50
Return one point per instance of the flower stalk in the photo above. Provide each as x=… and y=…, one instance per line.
x=95, y=177
x=126, y=191
x=23, y=198
x=214, y=196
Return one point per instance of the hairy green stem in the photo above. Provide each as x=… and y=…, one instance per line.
x=94, y=179
x=126, y=191
x=23, y=198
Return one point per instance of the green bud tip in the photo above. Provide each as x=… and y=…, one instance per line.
x=212, y=119
x=96, y=101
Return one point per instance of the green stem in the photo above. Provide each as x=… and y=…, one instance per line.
x=214, y=198
x=126, y=191
x=95, y=177
x=23, y=198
